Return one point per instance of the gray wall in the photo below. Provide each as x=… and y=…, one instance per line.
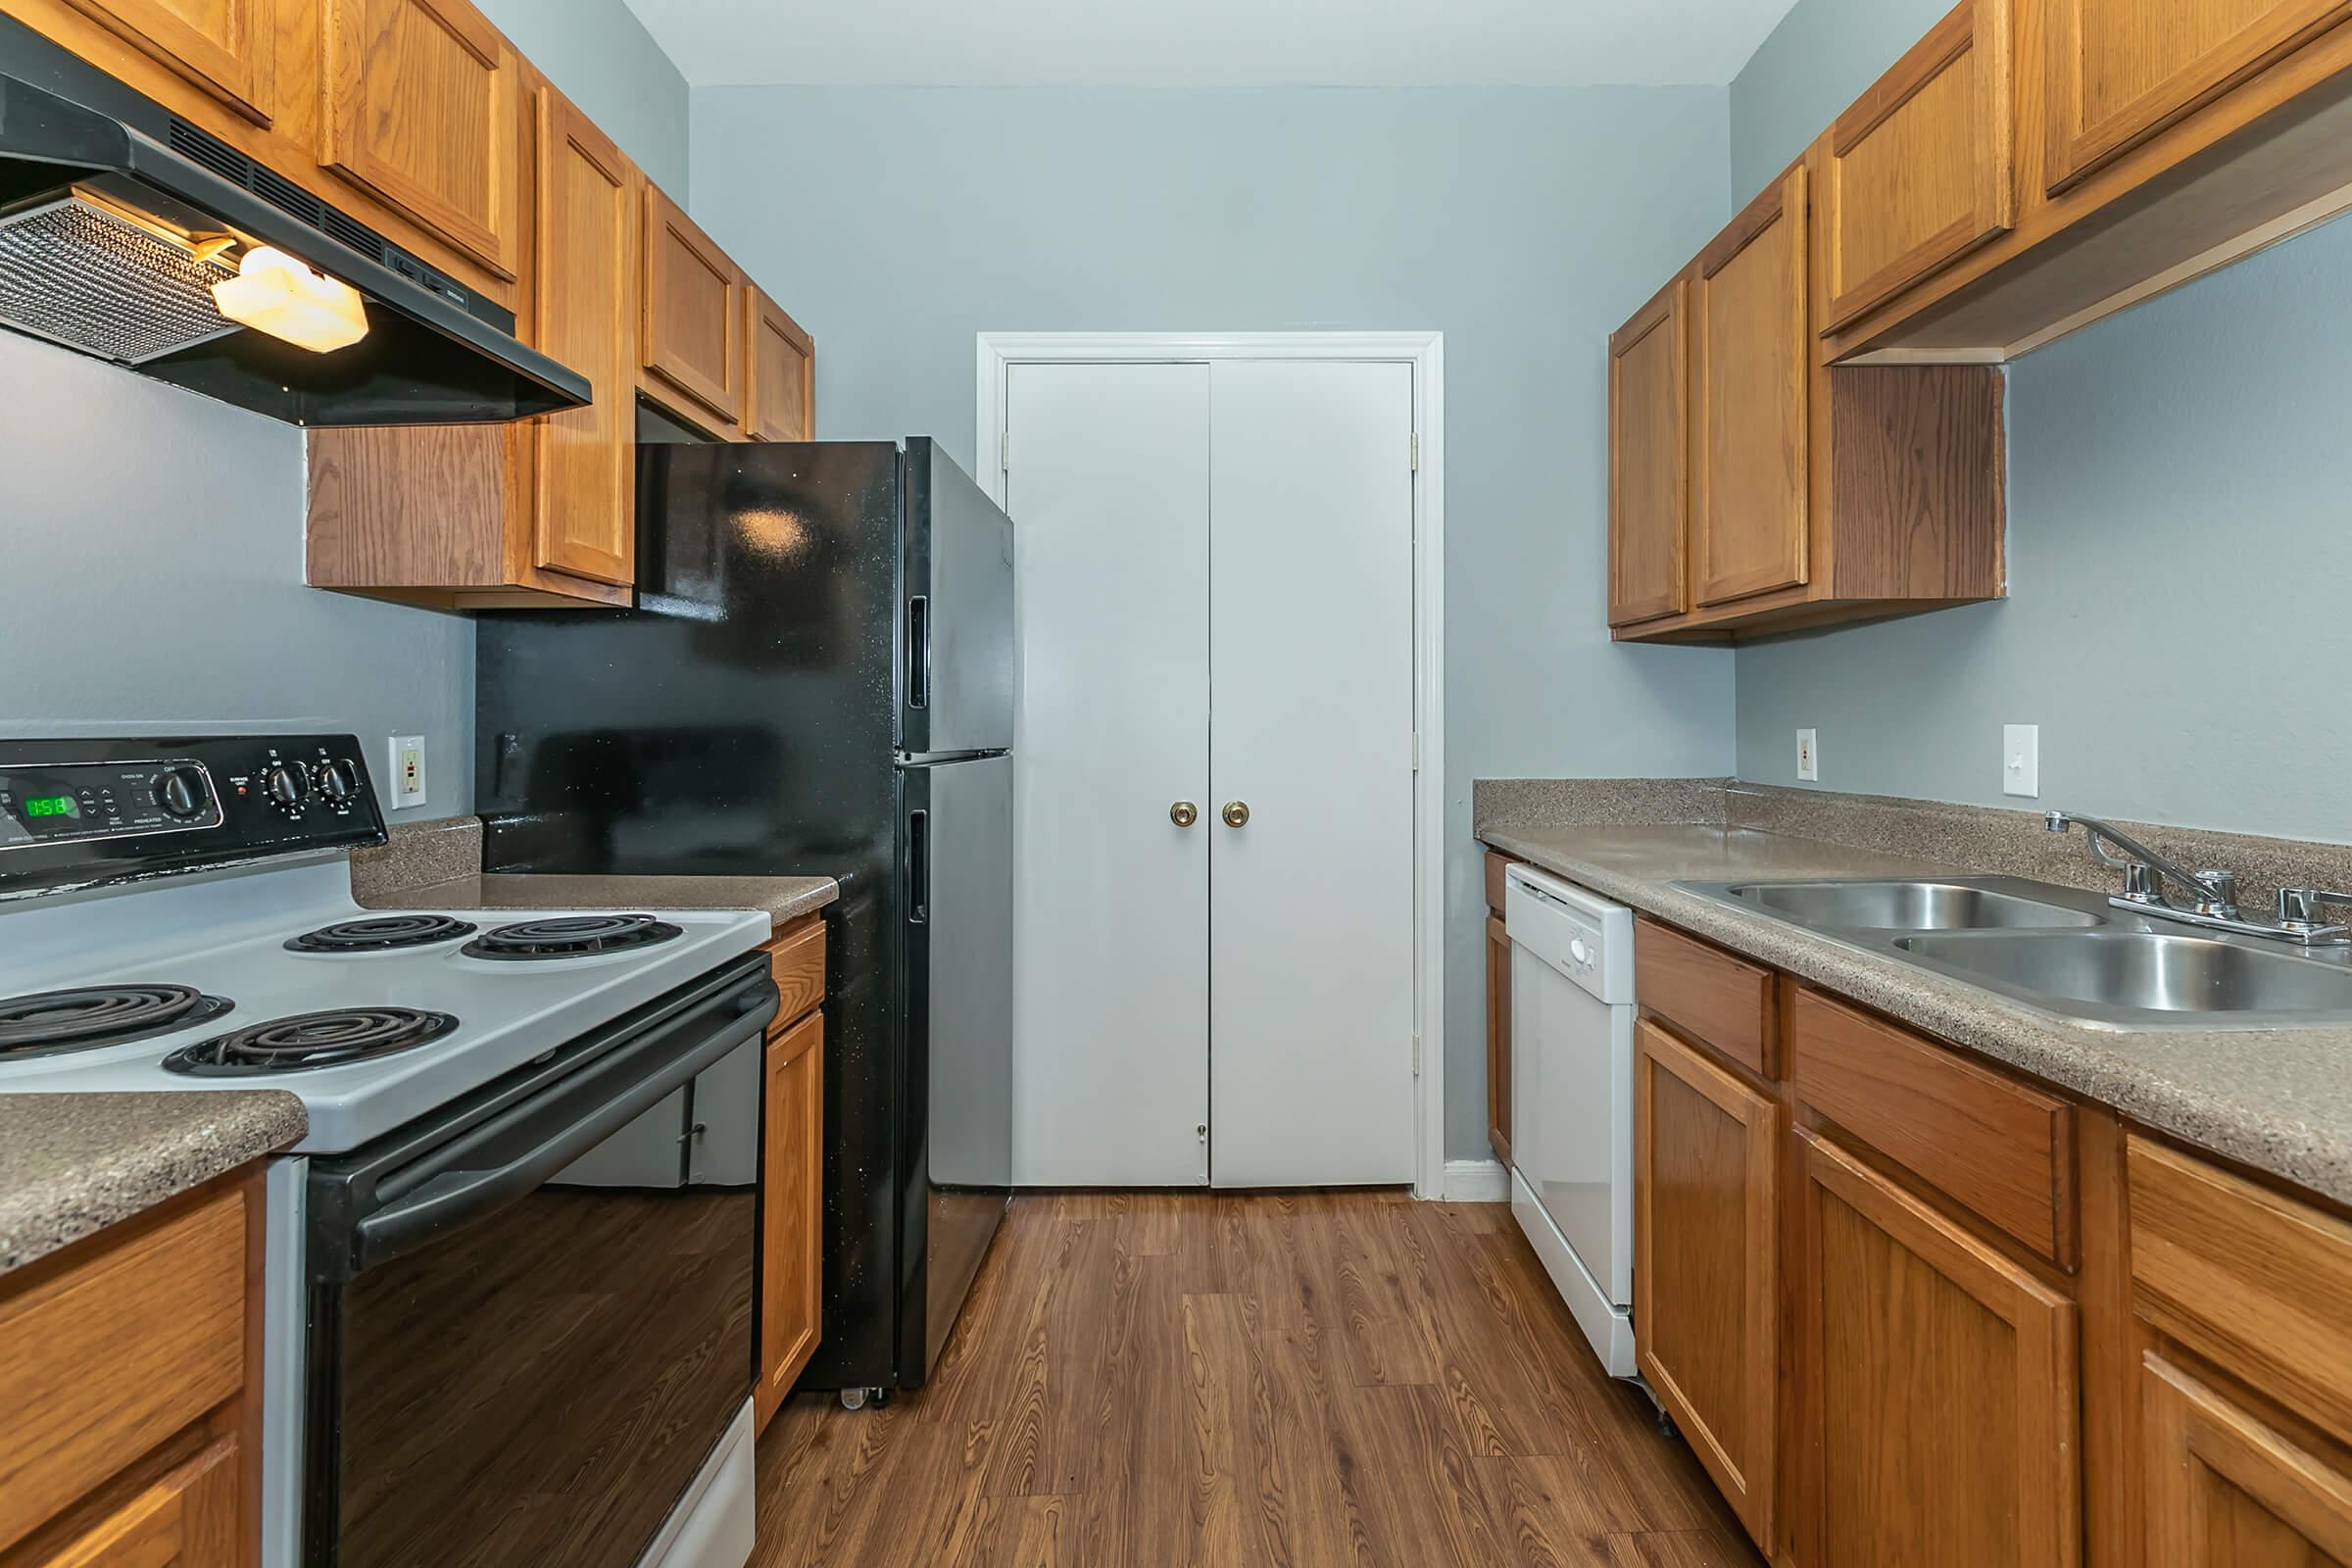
x=897, y=223
x=601, y=57
x=151, y=579
x=2176, y=548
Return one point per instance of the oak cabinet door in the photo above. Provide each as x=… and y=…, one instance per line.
x=1650, y=458
x=2120, y=70
x=2226, y=1490
x=1921, y=171
x=792, y=1177
x=1499, y=1039
x=187, y=1518
x=1705, y=1290
x=584, y=518
x=1942, y=1383
x=422, y=106
x=227, y=47
x=780, y=398
x=693, y=350
x=1750, y=374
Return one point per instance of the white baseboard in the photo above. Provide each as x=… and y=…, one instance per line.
x=1477, y=1181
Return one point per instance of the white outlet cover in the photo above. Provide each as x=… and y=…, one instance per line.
x=404, y=775
x=1809, y=757
x=2021, y=760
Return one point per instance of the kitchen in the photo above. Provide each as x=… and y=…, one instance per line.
x=1141, y=1370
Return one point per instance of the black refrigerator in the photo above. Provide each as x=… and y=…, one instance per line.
x=818, y=680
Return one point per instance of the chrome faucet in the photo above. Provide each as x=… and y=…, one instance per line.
x=2213, y=893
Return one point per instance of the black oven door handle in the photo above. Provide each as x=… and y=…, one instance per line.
x=509, y=1156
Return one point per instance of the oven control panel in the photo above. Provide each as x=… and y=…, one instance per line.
x=76, y=813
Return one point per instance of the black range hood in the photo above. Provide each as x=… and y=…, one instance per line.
x=100, y=192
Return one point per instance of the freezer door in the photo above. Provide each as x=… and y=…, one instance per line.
x=956, y=850
x=955, y=668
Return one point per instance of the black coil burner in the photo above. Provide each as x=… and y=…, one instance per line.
x=51, y=1022
x=571, y=936
x=308, y=1040
x=383, y=932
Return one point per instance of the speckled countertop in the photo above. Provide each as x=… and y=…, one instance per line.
x=72, y=1164
x=2279, y=1100
x=784, y=897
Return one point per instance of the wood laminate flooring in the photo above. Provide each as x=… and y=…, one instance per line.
x=1147, y=1380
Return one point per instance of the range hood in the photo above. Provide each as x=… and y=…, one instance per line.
x=117, y=218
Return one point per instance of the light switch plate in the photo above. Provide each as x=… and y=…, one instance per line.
x=2021, y=760
x=1809, y=757
x=405, y=786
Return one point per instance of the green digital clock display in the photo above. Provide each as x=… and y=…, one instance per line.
x=51, y=806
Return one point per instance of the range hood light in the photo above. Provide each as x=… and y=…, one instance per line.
x=277, y=294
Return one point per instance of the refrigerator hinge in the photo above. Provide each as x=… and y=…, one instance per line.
x=1416, y=452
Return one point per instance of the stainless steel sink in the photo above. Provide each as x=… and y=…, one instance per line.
x=1908, y=906
x=2124, y=975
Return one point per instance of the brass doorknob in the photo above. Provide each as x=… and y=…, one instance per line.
x=1236, y=814
x=1184, y=813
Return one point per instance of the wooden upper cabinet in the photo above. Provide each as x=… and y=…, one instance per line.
x=1945, y=1382
x=692, y=343
x=585, y=312
x=1649, y=460
x=422, y=106
x=1750, y=367
x=2120, y=70
x=2225, y=1489
x=227, y=47
x=780, y=398
x=1922, y=169
x=1705, y=1288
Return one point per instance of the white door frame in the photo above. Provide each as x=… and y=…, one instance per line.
x=1425, y=352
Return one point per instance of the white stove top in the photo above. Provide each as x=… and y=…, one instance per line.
x=225, y=936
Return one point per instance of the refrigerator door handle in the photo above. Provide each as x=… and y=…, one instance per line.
x=918, y=867
x=919, y=650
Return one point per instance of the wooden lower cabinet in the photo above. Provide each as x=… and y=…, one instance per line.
x=1498, y=1038
x=792, y=1167
x=1707, y=1306
x=1942, y=1382
x=2225, y=1489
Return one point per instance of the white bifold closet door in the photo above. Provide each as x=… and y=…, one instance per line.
x=1215, y=568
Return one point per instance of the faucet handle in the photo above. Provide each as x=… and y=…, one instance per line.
x=2299, y=907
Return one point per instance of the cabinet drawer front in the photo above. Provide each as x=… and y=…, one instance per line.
x=2002, y=1149
x=1920, y=170
x=798, y=960
x=1649, y=460
x=1722, y=1001
x=104, y=1361
x=2248, y=1276
x=2120, y=70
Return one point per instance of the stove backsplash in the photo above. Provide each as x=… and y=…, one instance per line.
x=153, y=549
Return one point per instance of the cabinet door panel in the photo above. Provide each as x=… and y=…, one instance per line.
x=1945, y=1384
x=1920, y=170
x=585, y=508
x=779, y=401
x=1748, y=389
x=2224, y=1489
x=423, y=108
x=694, y=319
x=1499, y=1039
x=792, y=1176
x=227, y=47
x=1705, y=1291
x=186, y=1519
x=2120, y=70
x=1649, y=460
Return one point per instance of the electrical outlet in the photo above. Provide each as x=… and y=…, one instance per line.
x=1809, y=757
x=2021, y=760
x=408, y=771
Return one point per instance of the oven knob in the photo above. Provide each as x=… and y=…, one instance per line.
x=339, y=780
x=286, y=785
x=181, y=793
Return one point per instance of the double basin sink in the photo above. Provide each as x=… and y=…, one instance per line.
x=2064, y=951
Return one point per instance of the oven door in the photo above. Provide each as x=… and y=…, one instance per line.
x=530, y=1316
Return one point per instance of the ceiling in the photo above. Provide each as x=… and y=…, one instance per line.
x=1205, y=43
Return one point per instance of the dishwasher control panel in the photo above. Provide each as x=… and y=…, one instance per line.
x=1584, y=936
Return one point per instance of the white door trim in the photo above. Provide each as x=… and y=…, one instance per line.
x=1426, y=353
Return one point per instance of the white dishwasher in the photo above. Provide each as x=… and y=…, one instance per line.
x=1571, y=1098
